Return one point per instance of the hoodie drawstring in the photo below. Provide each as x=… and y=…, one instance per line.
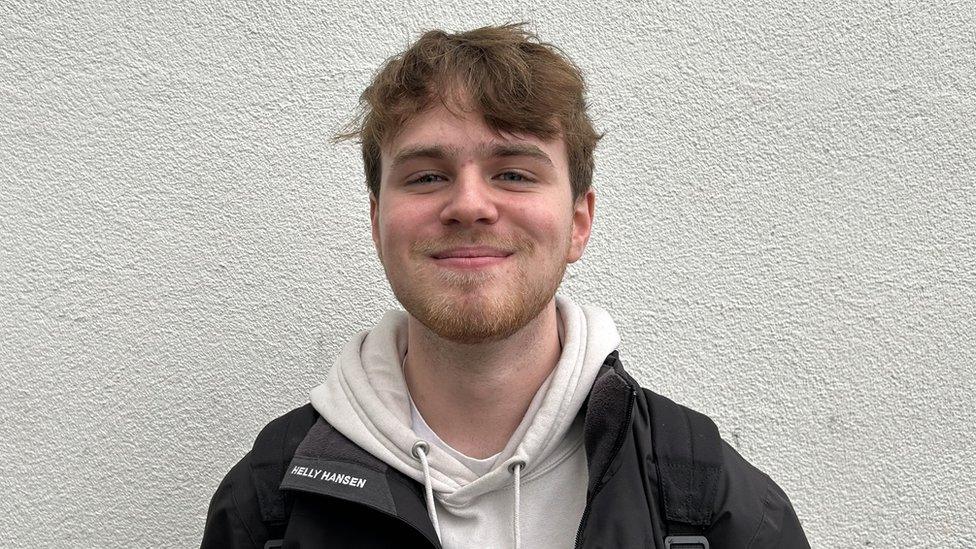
x=420, y=449
x=516, y=469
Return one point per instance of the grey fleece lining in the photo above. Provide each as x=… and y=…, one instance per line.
x=325, y=442
x=604, y=412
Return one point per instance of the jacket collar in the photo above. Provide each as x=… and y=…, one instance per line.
x=328, y=463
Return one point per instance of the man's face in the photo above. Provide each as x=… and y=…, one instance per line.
x=475, y=229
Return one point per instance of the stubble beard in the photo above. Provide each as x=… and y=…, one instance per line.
x=467, y=313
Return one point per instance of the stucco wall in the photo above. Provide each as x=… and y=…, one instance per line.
x=785, y=237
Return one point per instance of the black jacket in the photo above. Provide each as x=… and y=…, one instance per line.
x=656, y=469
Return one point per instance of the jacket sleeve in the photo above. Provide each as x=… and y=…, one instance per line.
x=230, y=519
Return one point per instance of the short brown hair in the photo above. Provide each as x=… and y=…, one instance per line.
x=519, y=84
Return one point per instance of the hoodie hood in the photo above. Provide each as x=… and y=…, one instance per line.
x=365, y=398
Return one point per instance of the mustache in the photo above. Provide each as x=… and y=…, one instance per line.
x=434, y=246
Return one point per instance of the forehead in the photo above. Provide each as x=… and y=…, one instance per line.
x=441, y=133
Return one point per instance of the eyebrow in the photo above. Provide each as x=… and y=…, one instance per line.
x=498, y=150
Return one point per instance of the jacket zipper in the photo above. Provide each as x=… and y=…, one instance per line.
x=613, y=455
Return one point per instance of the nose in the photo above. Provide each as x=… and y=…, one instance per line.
x=470, y=200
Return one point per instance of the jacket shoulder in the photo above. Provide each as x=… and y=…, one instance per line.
x=238, y=515
x=750, y=509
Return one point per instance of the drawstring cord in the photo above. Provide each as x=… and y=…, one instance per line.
x=420, y=450
x=516, y=469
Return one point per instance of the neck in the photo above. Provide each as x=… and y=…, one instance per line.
x=475, y=395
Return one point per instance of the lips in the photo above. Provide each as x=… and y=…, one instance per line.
x=473, y=252
x=470, y=258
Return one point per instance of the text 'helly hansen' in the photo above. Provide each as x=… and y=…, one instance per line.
x=322, y=474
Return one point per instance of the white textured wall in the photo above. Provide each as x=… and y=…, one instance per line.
x=785, y=236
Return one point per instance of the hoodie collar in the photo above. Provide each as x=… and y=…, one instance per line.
x=365, y=399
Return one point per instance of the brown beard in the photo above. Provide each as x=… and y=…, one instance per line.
x=474, y=317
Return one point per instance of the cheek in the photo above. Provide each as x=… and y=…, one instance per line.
x=550, y=228
x=397, y=228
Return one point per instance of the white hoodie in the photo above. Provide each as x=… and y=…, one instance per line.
x=535, y=491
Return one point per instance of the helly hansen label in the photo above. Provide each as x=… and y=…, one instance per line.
x=327, y=476
x=341, y=479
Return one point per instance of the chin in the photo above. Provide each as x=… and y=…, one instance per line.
x=478, y=316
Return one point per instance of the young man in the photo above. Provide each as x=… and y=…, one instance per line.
x=491, y=413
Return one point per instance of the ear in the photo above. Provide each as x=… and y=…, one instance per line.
x=582, y=225
x=374, y=222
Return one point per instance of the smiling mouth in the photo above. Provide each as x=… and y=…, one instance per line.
x=470, y=258
x=470, y=251
x=476, y=262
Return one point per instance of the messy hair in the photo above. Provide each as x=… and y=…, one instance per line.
x=517, y=83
